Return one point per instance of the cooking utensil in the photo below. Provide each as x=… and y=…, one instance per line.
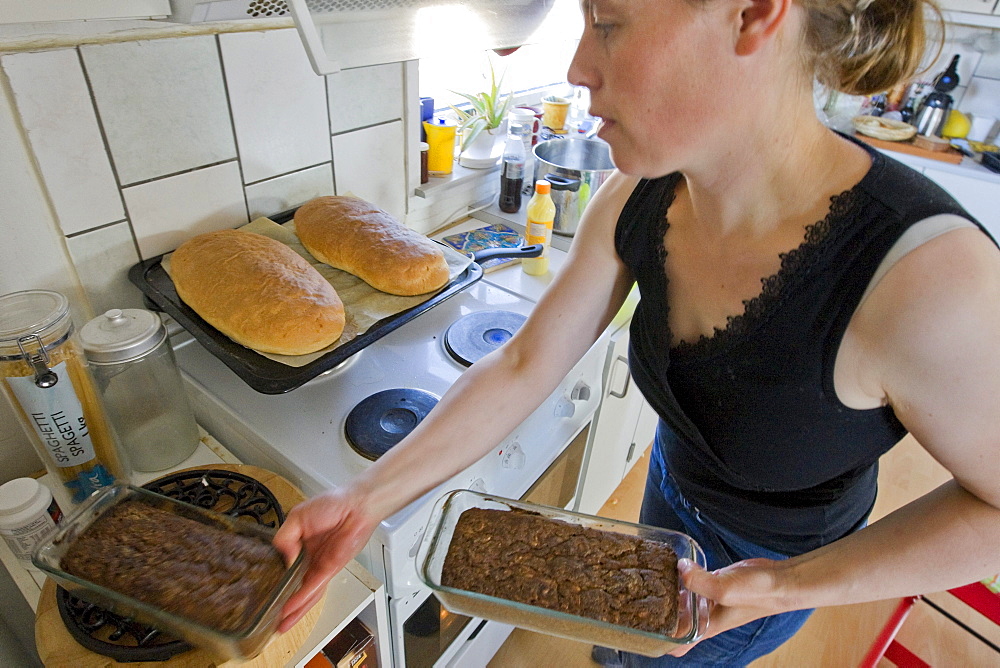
x=568, y=211
x=586, y=160
x=269, y=376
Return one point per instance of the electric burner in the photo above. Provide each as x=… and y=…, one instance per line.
x=382, y=420
x=472, y=337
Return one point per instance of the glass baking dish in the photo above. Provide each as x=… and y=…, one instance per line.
x=692, y=618
x=243, y=643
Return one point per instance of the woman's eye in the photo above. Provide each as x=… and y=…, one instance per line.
x=603, y=28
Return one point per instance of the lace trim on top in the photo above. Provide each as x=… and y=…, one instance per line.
x=794, y=269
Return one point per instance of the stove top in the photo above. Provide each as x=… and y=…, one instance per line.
x=305, y=429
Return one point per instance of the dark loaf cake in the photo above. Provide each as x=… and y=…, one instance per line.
x=526, y=557
x=215, y=577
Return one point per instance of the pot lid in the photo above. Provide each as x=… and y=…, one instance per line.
x=121, y=335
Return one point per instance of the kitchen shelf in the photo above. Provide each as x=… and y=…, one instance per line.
x=972, y=19
x=459, y=176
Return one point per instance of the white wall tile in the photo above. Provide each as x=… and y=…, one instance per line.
x=284, y=192
x=278, y=103
x=988, y=42
x=958, y=41
x=982, y=97
x=370, y=163
x=167, y=212
x=103, y=258
x=32, y=254
x=58, y=115
x=162, y=103
x=365, y=96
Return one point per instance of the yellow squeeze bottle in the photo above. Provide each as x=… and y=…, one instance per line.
x=541, y=214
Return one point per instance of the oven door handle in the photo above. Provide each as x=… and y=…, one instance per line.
x=628, y=378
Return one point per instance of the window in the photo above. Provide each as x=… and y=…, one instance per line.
x=530, y=68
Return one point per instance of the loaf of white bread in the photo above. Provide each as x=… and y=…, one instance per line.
x=356, y=236
x=258, y=292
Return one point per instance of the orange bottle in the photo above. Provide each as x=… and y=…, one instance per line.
x=541, y=215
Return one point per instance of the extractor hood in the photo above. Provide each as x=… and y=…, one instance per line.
x=341, y=34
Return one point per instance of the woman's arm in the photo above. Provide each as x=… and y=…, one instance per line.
x=929, y=338
x=572, y=314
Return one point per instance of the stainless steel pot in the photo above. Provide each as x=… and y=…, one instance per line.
x=587, y=161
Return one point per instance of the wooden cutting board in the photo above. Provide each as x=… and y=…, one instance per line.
x=57, y=648
x=950, y=155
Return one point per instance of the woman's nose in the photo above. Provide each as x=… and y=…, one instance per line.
x=580, y=71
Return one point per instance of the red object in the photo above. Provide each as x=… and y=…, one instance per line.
x=976, y=595
x=887, y=637
x=981, y=599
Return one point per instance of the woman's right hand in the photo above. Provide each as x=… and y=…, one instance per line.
x=332, y=528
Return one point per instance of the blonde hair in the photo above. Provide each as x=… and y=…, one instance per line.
x=861, y=47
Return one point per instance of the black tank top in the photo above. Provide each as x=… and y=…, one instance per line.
x=763, y=446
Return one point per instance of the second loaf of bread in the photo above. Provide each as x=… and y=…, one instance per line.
x=356, y=236
x=258, y=292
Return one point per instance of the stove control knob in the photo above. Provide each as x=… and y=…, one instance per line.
x=514, y=458
x=478, y=485
x=581, y=392
x=564, y=408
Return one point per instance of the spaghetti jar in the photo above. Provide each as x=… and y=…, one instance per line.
x=45, y=375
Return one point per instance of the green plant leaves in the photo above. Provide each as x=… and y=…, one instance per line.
x=489, y=109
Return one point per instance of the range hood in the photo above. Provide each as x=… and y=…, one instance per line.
x=342, y=34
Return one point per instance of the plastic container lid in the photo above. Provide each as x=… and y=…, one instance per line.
x=30, y=312
x=542, y=186
x=121, y=335
x=424, y=146
x=18, y=495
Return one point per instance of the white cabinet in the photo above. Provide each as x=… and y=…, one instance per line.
x=979, y=197
x=974, y=6
x=623, y=427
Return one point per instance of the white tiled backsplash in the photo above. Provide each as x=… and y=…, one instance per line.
x=114, y=152
x=111, y=152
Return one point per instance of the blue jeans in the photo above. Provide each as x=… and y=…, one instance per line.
x=663, y=505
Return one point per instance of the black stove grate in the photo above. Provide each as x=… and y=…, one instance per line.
x=122, y=638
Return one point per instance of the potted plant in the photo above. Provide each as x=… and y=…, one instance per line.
x=479, y=127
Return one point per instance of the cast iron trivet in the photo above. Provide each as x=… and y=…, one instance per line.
x=122, y=638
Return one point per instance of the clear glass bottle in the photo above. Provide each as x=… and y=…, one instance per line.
x=44, y=373
x=538, y=230
x=512, y=171
x=131, y=358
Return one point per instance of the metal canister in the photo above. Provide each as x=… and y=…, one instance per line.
x=137, y=374
x=44, y=373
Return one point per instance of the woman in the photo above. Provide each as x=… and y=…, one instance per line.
x=805, y=303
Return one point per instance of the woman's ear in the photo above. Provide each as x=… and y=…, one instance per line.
x=760, y=21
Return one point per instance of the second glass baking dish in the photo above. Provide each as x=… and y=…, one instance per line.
x=241, y=644
x=692, y=619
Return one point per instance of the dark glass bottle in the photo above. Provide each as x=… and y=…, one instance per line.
x=512, y=171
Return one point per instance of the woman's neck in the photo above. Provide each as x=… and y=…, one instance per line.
x=779, y=173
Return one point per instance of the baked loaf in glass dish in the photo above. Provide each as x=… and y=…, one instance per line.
x=566, y=574
x=213, y=580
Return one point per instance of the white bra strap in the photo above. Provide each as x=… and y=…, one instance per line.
x=918, y=234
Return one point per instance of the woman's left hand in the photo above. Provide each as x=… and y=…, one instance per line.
x=737, y=594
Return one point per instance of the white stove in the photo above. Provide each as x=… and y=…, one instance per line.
x=301, y=435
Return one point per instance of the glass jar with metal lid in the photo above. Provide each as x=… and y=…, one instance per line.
x=137, y=374
x=45, y=375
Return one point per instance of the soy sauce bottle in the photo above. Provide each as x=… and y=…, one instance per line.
x=512, y=172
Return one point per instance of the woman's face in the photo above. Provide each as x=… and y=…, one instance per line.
x=662, y=75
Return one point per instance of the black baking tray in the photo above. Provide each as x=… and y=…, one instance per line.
x=266, y=375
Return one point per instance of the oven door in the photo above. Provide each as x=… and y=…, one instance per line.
x=432, y=637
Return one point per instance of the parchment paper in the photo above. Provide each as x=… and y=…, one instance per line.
x=363, y=304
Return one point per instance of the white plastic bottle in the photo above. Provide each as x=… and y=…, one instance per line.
x=27, y=513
